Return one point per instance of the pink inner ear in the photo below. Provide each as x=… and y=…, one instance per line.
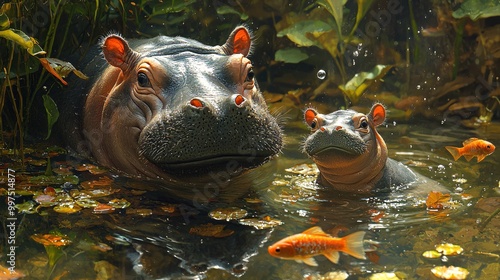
x=309, y=116
x=378, y=114
x=114, y=49
x=242, y=42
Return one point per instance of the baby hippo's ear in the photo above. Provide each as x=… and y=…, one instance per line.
x=377, y=114
x=116, y=51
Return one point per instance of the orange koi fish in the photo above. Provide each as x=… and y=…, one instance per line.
x=304, y=246
x=473, y=147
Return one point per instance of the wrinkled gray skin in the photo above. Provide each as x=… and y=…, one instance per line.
x=172, y=109
x=351, y=155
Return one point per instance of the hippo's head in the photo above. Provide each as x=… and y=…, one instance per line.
x=173, y=106
x=346, y=147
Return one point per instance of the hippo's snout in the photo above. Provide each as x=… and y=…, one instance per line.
x=207, y=132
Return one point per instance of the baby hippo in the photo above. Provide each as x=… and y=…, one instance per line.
x=350, y=154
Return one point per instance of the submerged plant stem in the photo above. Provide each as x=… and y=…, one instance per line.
x=490, y=217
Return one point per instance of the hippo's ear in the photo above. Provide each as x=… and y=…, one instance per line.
x=239, y=41
x=116, y=51
x=377, y=114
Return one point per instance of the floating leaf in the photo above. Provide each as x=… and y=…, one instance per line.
x=102, y=182
x=57, y=240
x=476, y=9
x=8, y=274
x=102, y=247
x=267, y=222
x=432, y=254
x=106, y=270
x=45, y=200
x=140, y=212
x=211, y=230
x=450, y=272
x=27, y=207
x=119, y=203
x=52, y=180
x=67, y=208
x=385, y=276
x=102, y=208
x=230, y=213
x=86, y=202
x=355, y=88
x=291, y=55
x=304, y=169
x=437, y=200
x=93, y=169
x=449, y=249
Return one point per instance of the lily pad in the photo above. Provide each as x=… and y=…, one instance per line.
x=304, y=169
x=449, y=249
x=119, y=203
x=355, y=88
x=57, y=240
x=476, y=9
x=27, y=207
x=211, y=230
x=102, y=208
x=86, y=202
x=450, y=272
x=432, y=254
x=265, y=223
x=228, y=214
x=67, y=208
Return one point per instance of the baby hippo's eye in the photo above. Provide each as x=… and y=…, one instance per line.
x=363, y=124
x=143, y=80
x=277, y=250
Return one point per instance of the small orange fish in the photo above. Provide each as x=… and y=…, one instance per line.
x=304, y=246
x=473, y=147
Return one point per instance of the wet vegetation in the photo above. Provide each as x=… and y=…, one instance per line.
x=431, y=61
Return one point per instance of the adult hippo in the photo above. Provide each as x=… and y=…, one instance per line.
x=350, y=154
x=172, y=109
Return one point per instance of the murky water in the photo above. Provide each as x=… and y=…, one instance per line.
x=157, y=237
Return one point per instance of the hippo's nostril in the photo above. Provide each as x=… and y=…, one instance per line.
x=238, y=99
x=338, y=128
x=195, y=102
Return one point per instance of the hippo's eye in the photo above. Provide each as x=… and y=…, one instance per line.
x=250, y=75
x=277, y=250
x=363, y=124
x=143, y=80
x=313, y=124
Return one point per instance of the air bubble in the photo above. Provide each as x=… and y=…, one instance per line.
x=321, y=74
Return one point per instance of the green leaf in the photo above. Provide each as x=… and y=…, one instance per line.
x=297, y=33
x=53, y=180
x=20, y=38
x=363, y=6
x=476, y=9
x=290, y=55
x=355, y=88
x=4, y=21
x=52, y=113
x=223, y=10
x=336, y=9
